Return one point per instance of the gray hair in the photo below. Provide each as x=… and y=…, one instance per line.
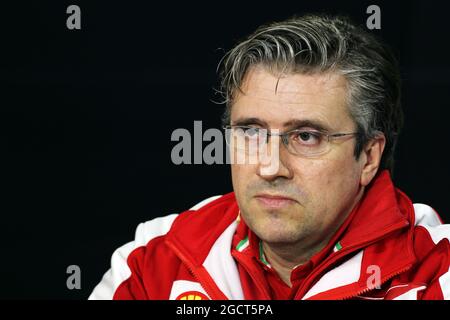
x=317, y=44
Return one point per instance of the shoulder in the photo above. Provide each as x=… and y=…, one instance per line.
x=428, y=221
x=122, y=279
x=154, y=228
x=432, y=250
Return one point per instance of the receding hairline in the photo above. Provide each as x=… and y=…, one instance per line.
x=319, y=76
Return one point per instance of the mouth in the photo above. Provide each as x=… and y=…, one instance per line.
x=273, y=201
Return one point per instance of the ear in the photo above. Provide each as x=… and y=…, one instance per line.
x=372, y=156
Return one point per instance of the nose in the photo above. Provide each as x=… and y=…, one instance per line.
x=274, y=160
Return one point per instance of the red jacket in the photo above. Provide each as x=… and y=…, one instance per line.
x=388, y=248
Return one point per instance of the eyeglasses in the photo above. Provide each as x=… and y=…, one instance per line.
x=300, y=142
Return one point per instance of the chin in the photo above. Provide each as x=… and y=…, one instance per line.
x=278, y=238
x=272, y=232
x=272, y=225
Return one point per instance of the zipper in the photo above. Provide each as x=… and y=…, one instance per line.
x=307, y=283
x=365, y=290
x=207, y=284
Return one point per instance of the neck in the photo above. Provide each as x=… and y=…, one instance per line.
x=284, y=257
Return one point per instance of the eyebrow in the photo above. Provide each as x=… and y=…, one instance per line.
x=291, y=124
x=315, y=124
x=249, y=121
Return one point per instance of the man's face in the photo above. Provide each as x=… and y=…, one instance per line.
x=305, y=199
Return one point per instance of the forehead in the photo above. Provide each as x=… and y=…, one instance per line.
x=277, y=100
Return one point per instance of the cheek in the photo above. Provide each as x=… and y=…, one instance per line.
x=240, y=176
x=329, y=180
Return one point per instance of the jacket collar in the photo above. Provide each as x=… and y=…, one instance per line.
x=382, y=211
x=376, y=245
x=378, y=212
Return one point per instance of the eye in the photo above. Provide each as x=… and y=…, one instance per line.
x=307, y=137
x=251, y=132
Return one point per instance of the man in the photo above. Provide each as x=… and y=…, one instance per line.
x=322, y=219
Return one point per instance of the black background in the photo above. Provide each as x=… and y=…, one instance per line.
x=86, y=118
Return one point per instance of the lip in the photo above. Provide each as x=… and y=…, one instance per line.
x=274, y=201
